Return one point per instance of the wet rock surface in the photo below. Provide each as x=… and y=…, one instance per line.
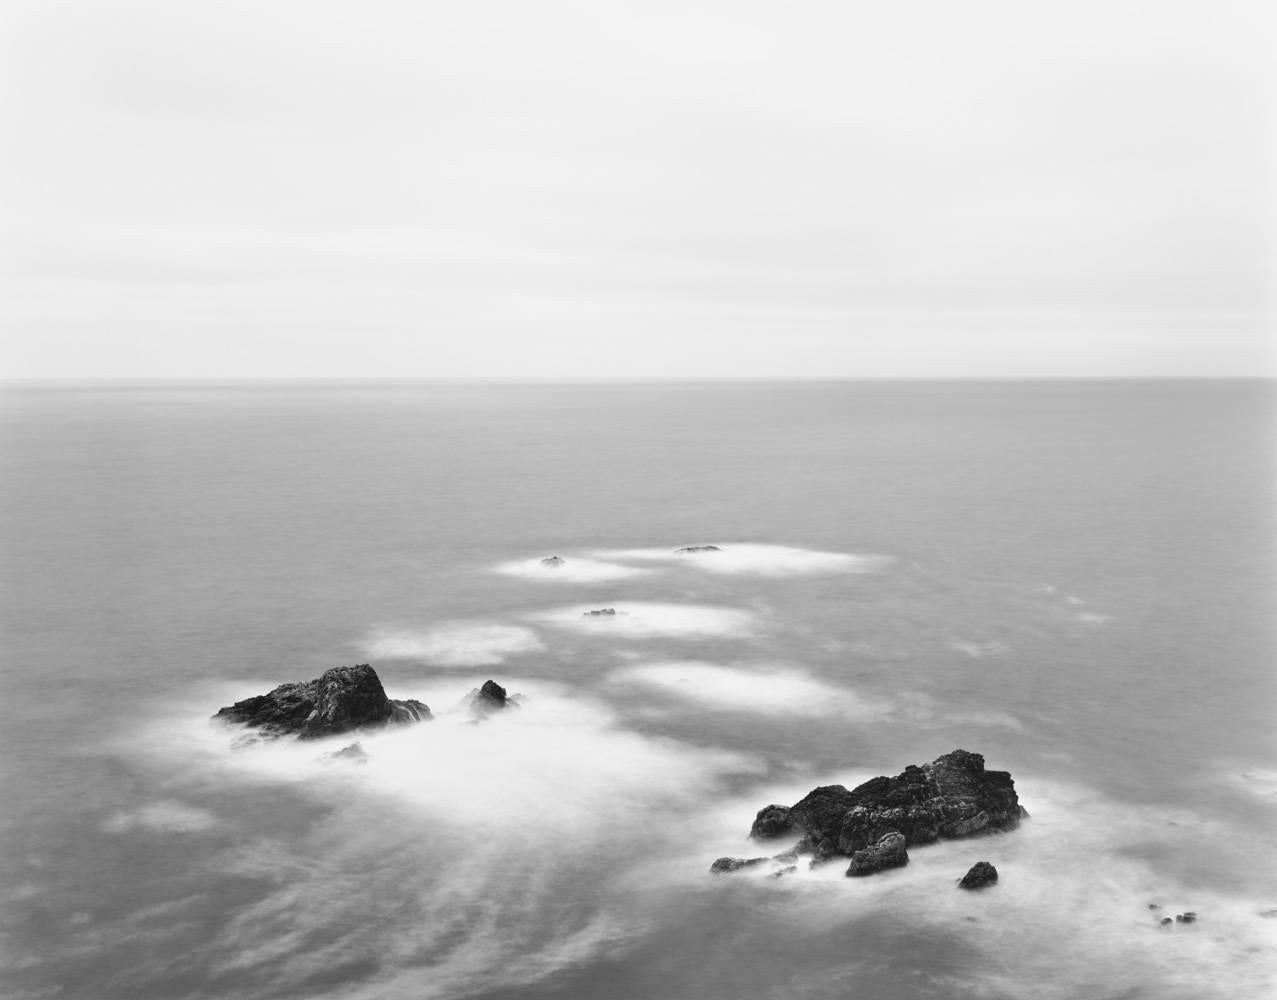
x=981, y=876
x=950, y=798
x=338, y=701
x=888, y=852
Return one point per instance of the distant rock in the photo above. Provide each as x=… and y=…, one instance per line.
x=1165, y=922
x=952, y=797
x=696, y=548
x=1186, y=918
x=1268, y=914
x=888, y=852
x=354, y=754
x=552, y=561
x=492, y=697
x=771, y=821
x=981, y=876
x=340, y=700
x=734, y=864
x=600, y=613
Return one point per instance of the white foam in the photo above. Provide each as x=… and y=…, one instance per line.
x=758, y=560
x=163, y=816
x=456, y=644
x=573, y=569
x=771, y=690
x=645, y=620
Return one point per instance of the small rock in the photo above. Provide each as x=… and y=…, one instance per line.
x=1186, y=918
x=734, y=864
x=981, y=876
x=771, y=821
x=354, y=753
x=784, y=871
x=889, y=852
x=697, y=548
x=1165, y=922
x=491, y=697
x=1154, y=906
x=552, y=561
x=1269, y=914
x=600, y=613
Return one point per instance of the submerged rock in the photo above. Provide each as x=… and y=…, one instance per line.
x=952, y=797
x=600, y=613
x=354, y=754
x=697, y=548
x=888, y=852
x=338, y=701
x=782, y=872
x=735, y=864
x=981, y=876
x=492, y=697
x=552, y=561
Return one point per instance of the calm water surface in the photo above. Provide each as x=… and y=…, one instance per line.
x=1073, y=578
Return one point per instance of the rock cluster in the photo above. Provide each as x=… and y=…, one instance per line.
x=600, y=613
x=952, y=797
x=696, y=548
x=338, y=701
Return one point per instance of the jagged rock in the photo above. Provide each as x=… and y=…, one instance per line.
x=552, y=561
x=354, y=754
x=1154, y=906
x=338, y=701
x=888, y=852
x=492, y=697
x=782, y=872
x=734, y=864
x=696, y=548
x=952, y=797
x=981, y=875
x=771, y=821
x=600, y=613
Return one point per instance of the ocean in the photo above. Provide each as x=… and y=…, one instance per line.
x=1072, y=578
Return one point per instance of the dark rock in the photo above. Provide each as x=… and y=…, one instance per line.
x=771, y=821
x=1165, y=922
x=491, y=697
x=354, y=753
x=552, y=561
x=782, y=872
x=1154, y=906
x=600, y=613
x=340, y=700
x=697, y=548
x=734, y=864
x=1186, y=918
x=952, y=797
x=888, y=852
x=981, y=875
x=1269, y=914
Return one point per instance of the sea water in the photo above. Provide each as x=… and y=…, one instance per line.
x=1071, y=578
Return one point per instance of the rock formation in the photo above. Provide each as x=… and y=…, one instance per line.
x=492, y=697
x=340, y=700
x=353, y=754
x=735, y=864
x=888, y=852
x=696, y=548
x=552, y=561
x=952, y=797
x=981, y=875
x=600, y=613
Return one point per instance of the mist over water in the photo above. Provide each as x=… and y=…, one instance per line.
x=1070, y=578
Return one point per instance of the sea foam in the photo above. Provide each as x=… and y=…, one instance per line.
x=758, y=560
x=455, y=644
x=643, y=620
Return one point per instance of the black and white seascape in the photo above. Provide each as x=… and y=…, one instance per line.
x=645, y=502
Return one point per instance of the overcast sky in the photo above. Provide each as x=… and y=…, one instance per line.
x=540, y=188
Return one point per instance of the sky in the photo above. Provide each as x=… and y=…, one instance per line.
x=557, y=189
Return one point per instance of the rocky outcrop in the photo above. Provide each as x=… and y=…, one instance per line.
x=735, y=864
x=600, y=613
x=552, y=562
x=771, y=821
x=340, y=700
x=492, y=697
x=952, y=797
x=888, y=852
x=696, y=548
x=981, y=875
